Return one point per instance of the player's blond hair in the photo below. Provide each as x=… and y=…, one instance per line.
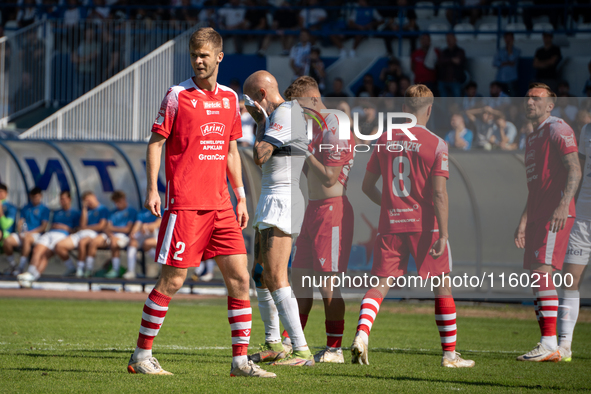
x=540, y=85
x=204, y=36
x=418, y=97
x=299, y=87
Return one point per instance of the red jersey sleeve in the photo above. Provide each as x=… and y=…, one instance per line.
x=237, y=126
x=167, y=114
x=373, y=165
x=441, y=163
x=563, y=138
x=341, y=152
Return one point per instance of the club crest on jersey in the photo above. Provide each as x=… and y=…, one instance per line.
x=569, y=140
x=226, y=102
x=213, y=127
x=194, y=102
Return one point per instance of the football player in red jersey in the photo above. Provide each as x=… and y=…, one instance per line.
x=199, y=120
x=413, y=220
x=553, y=175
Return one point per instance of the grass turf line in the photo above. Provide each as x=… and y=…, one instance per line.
x=71, y=346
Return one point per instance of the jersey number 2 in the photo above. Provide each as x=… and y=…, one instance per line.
x=398, y=176
x=181, y=248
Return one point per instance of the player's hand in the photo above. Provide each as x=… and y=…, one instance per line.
x=520, y=236
x=153, y=203
x=558, y=220
x=438, y=247
x=256, y=112
x=242, y=213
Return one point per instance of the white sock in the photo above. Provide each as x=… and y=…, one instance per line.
x=80, y=265
x=450, y=355
x=199, y=270
x=287, y=307
x=239, y=360
x=69, y=264
x=568, y=313
x=33, y=271
x=152, y=253
x=209, y=265
x=10, y=260
x=115, y=263
x=141, y=354
x=268, y=315
x=131, y=258
x=363, y=336
x=549, y=342
x=89, y=263
x=23, y=262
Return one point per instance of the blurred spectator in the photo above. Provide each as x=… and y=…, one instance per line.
x=100, y=11
x=72, y=14
x=423, y=62
x=566, y=109
x=110, y=57
x=300, y=55
x=207, y=16
x=526, y=129
x=285, y=18
x=391, y=89
x=587, y=87
x=472, y=98
x=506, y=61
x=232, y=17
x=563, y=89
x=311, y=17
x=455, y=15
x=317, y=68
x=392, y=72
x=248, y=127
x=337, y=88
x=403, y=84
x=27, y=13
x=362, y=18
x=546, y=62
x=583, y=117
x=486, y=126
x=505, y=135
x=256, y=19
x=459, y=137
x=86, y=58
x=451, y=67
x=184, y=12
x=367, y=120
x=368, y=89
x=393, y=20
x=498, y=99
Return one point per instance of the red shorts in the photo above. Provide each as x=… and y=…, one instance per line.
x=325, y=241
x=392, y=251
x=545, y=247
x=188, y=237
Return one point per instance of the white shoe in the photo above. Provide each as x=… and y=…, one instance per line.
x=456, y=362
x=330, y=355
x=79, y=272
x=129, y=275
x=149, y=366
x=565, y=354
x=206, y=277
x=359, y=351
x=252, y=370
x=540, y=353
x=25, y=280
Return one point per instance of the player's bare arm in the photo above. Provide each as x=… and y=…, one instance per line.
x=440, y=203
x=153, y=158
x=39, y=229
x=125, y=229
x=370, y=189
x=234, y=172
x=519, y=236
x=571, y=163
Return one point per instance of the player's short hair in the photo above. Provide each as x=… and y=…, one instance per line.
x=34, y=191
x=3, y=187
x=66, y=192
x=117, y=195
x=86, y=194
x=299, y=87
x=204, y=36
x=418, y=97
x=540, y=85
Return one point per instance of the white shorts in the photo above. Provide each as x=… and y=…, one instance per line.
x=80, y=235
x=50, y=239
x=579, y=243
x=122, y=239
x=141, y=237
x=282, y=211
x=17, y=237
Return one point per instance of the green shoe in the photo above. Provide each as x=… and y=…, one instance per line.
x=298, y=358
x=112, y=274
x=270, y=351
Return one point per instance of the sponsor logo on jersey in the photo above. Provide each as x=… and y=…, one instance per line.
x=160, y=117
x=569, y=140
x=194, y=102
x=575, y=252
x=445, y=163
x=226, y=102
x=212, y=157
x=212, y=104
x=210, y=112
x=213, y=127
x=531, y=155
x=276, y=126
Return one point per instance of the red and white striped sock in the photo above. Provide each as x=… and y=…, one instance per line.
x=155, y=310
x=334, y=332
x=445, y=317
x=547, y=299
x=240, y=318
x=370, y=306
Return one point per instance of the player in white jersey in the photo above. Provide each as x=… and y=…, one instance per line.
x=280, y=149
x=578, y=252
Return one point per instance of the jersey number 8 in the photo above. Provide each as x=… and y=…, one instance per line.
x=398, y=176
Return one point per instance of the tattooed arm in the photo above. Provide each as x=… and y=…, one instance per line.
x=571, y=162
x=262, y=152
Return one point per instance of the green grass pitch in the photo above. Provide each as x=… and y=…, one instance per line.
x=51, y=346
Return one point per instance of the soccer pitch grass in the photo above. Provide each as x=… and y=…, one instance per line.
x=83, y=346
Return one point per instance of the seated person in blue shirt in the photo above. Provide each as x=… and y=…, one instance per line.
x=460, y=137
x=30, y=226
x=63, y=223
x=93, y=220
x=144, y=235
x=7, y=214
x=115, y=236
